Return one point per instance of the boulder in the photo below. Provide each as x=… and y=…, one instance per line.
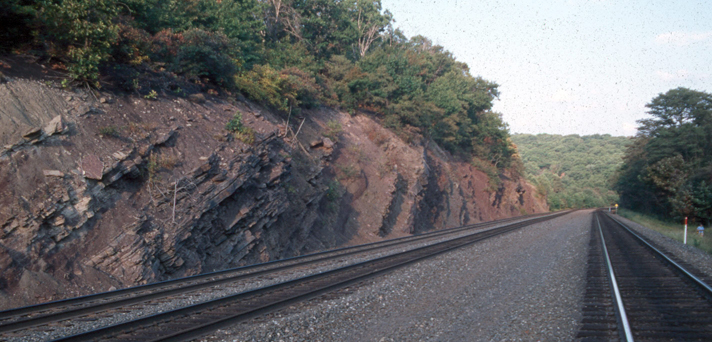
x=33, y=133
x=55, y=126
x=92, y=167
x=328, y=143
x=197, y=98
x=53, y=173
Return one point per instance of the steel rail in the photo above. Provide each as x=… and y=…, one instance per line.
x=614, y=284
x=368, y=269
x=677, y=266
x=115, y=299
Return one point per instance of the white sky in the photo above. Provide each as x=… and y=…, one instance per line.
x=571, y=66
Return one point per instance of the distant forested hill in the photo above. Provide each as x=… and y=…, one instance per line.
x=573, y=171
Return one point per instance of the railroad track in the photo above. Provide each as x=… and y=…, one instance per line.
x=232, y=301
x=635, y=292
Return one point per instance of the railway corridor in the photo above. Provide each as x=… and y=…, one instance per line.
x=526, y=285
x=640, y=292
x=536, y=278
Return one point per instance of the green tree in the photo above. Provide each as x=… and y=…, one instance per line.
x=17, y=18
x=81, y=30
x=368, y=24
x=669, y=167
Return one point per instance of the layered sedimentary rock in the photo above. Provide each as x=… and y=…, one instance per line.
x=101, y=191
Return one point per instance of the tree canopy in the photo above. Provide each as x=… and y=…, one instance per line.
x=287, y=54
x=668, y=168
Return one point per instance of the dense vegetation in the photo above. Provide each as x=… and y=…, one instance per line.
x=572, y=171
x=288, y=54
x=668, y=167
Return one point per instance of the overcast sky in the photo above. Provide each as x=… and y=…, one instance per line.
x=571, y=66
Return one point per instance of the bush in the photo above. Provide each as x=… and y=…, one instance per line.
x=491, y=172
x=333, y=129
x=333, y=194
x=299, y=87
x=207, y=54
x=235, y=124
x=263, y=84
x=197, y=54
x=290, y=87
x=152, y=95
x=16, y=17
x=239, y=130
x=247, y=136
x=110, y=131
x=133, y=46
x=83, y=30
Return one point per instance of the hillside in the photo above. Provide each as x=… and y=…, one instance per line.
x=146, y=139
x=572, y=171
x=114, y=190
x=288, y=55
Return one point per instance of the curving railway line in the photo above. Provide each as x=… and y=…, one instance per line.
x=636, y=292
x=187, y=308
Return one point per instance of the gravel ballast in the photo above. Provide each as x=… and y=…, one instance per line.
x=689, y=254
x=526, y=285
x=173, y=302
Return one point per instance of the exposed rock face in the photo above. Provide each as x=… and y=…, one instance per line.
x=105, y=194
x=395, y=189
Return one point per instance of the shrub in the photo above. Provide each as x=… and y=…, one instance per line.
x=152, y=167
x=152, y=95
x=333, y=194
x=280, y=89
x=133, y=46
x=248, y=136
x=491, y=172
x=196, y=53
x=16, y=17
x=239, y=130
x=109, y=131
x=263, y=84
x=235, y=124
x=83, y=30
x=348, y=172
x=207, y=54
x=299, y=87
x=333, y=128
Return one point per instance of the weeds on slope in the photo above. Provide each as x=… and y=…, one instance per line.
x=672, y=229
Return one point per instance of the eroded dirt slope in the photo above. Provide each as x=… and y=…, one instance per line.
x=99, y=191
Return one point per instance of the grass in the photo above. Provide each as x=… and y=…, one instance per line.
x=152, y=95
x=347, y=172
x=157, y=162
x=672, y=229
x=239, y=130
x=358, y=152
x=491, y=172
x=110, y=131
x=333, y=194
x=333, y=129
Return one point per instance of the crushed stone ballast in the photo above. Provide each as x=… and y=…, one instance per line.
x=637, y=292
x=301, y=277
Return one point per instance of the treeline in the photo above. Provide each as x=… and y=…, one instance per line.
x=572, y=171
x=288, y=54
x=668, y=167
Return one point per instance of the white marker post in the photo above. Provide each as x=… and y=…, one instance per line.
x=685, y=237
